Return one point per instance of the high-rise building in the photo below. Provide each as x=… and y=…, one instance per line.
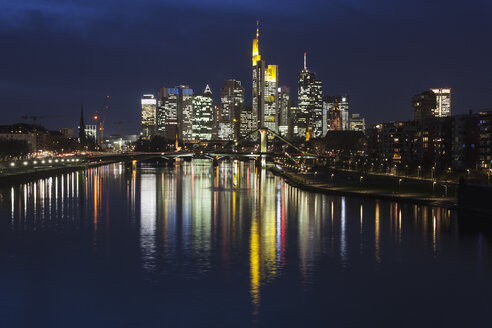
x=225, y=131
x=246, y=122
x=336, y=110
x=176, y=112
x=443, y=102
x=232, y=100
x=294, y=123
x=265, y=85
x=432, y=103
x=424, y=104
x=149, y=104
x=203, y=115
x=310, y=102
x=167, y=115
x=283, y=110
x=485, y=146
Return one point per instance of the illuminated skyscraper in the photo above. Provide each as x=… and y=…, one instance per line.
x=247, y=123
x=167, y=115
x=176, y=112
x=203, y=115
x=148, y=122
x=185, y=112
x=433, y=103
x=310, y=98
x=283, y=110
x=265, y=85
x=336, y=110
x=443, y=102
x=232, y=100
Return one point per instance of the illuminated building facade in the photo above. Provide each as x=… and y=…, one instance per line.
x=336, y=109
x=232, y=100
x=91, y=132
x=247, y=124
x=225, y=131
x=270, y=113
x=443, y=102
x=203, y=115
x=310, y=103
x=299, y=122
x=176, y=112
x=167, y=115
x=432, y=103
x=148, y=123
x=485, y=146
x=357, y=123
x=265, y=85
x=283, y=110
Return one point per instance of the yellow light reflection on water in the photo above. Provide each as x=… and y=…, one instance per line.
x=377, y=252
x=254, y=264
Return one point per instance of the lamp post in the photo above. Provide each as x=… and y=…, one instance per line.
x=399, y=185
x=418, y=174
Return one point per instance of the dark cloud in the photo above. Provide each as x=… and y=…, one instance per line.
x=58, y=53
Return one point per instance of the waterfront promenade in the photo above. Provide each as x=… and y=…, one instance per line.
x=421, y=192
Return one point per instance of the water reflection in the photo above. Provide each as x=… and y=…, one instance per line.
x=193, y=219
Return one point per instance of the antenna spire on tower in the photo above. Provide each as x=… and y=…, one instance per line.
x=305, y=55
x=257, y=29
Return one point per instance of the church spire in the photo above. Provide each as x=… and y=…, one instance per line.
x=82, y=136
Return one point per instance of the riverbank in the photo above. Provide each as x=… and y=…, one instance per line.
x=314, y=184
x=27, y=175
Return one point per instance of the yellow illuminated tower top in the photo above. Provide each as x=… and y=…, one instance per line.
x=256, y=49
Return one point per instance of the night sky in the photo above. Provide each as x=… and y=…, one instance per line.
x=57, y=53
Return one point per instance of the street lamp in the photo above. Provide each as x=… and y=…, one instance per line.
x=419, y=167
x=399, y=185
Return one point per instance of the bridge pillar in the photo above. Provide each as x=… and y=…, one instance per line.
x=263, y=140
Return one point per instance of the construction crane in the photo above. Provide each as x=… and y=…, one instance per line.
x=120, y=123
x=35, y=118
x=100, y=117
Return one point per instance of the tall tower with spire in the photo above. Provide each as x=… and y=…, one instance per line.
x=258, y=81
x=265, y=85
x=310, y=103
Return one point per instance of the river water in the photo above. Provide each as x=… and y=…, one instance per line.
x=232, y=246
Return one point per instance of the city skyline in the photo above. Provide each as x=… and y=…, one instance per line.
x=60, y=85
